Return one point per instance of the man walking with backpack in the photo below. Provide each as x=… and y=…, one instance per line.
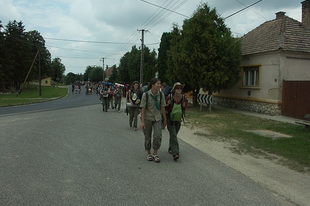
x=176, y=106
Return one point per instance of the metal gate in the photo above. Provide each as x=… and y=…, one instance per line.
x=296, y=99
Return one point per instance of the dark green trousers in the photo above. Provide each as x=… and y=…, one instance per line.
x=173, y=128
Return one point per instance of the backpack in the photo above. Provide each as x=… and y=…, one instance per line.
x=147, y=98
x=177, y=112
x=118, y=94
x=138, y=97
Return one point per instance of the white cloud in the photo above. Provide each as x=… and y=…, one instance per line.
x=7, y=11
x=118, y=21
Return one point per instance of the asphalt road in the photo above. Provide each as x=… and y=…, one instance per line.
x=69, y=152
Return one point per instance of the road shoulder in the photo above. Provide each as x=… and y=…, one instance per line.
x=288, y=183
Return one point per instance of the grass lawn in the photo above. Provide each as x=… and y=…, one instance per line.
x=31, y=95
x=224, y=125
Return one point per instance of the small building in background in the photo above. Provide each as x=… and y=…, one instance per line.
x=46, y=82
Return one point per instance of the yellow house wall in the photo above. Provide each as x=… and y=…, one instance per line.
x=46, y=82
x=274, y=67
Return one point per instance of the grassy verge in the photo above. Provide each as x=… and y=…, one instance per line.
x=31, y=95
x=224, y=125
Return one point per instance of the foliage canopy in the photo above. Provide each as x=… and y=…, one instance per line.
x=203, y=54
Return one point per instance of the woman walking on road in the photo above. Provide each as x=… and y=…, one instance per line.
x=105, y=97
x=152, y=106
x=134, y=97
x=176, y=106
x=118, y=97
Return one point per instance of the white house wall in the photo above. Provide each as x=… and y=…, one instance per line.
x=296, y=67
x=269, y=89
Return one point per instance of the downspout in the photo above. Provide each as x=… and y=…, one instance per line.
x=281, y=49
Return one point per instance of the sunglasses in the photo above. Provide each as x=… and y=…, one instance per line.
x=178, y=88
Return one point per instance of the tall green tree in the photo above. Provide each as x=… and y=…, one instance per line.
x=18, y=55
x=37, y=42
x=205, y=54
x=129, y=68
x=96, y=74
x=70, y=78
x=3, y=79
x=115, y=75
x=87, y=72
x=149, y=65
x=58, y=69
x=162, y=64
x=18, y=50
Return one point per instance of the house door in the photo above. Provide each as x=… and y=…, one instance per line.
x=296, y=99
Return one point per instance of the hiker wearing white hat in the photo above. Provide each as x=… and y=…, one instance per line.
x=176, y=106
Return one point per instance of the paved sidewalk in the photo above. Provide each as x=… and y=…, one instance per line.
x=279, y=118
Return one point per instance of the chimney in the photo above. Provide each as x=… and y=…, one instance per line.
x=280, y=15
x=305, y=20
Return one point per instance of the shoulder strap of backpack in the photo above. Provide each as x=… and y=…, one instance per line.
x=171, y=98
x=146, y=98
x=183, y=99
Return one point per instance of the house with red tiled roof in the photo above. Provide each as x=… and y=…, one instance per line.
x=274, y=55
x=108, y=72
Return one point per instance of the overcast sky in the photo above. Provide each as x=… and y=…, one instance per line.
x=112, y=25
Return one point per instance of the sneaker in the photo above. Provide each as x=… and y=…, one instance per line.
x=136, y=129
x=156, y=158
x=149, y=157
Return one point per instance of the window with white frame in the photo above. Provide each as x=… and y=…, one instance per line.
x=250, y=76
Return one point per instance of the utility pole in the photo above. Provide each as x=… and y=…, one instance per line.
x=142, y=55
x=40, y=79
x=103, y=69
x=21, y=88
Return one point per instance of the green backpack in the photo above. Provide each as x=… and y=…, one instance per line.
x=176, y=113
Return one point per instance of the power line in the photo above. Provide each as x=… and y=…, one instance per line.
x=135, y=36
x=84, y=41
x=166, y=14
x=72, y=49
x=242, y=9
x=64, y=57
x=251, y=10
x=164, y=8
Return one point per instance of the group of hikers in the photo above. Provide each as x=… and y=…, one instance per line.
x=108, y=93
x=158, y=109
x=89, y=87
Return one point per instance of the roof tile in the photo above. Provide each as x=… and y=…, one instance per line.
x=282, y=33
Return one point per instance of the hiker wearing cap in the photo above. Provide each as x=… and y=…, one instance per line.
x=176, y=105
x=152, y=106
